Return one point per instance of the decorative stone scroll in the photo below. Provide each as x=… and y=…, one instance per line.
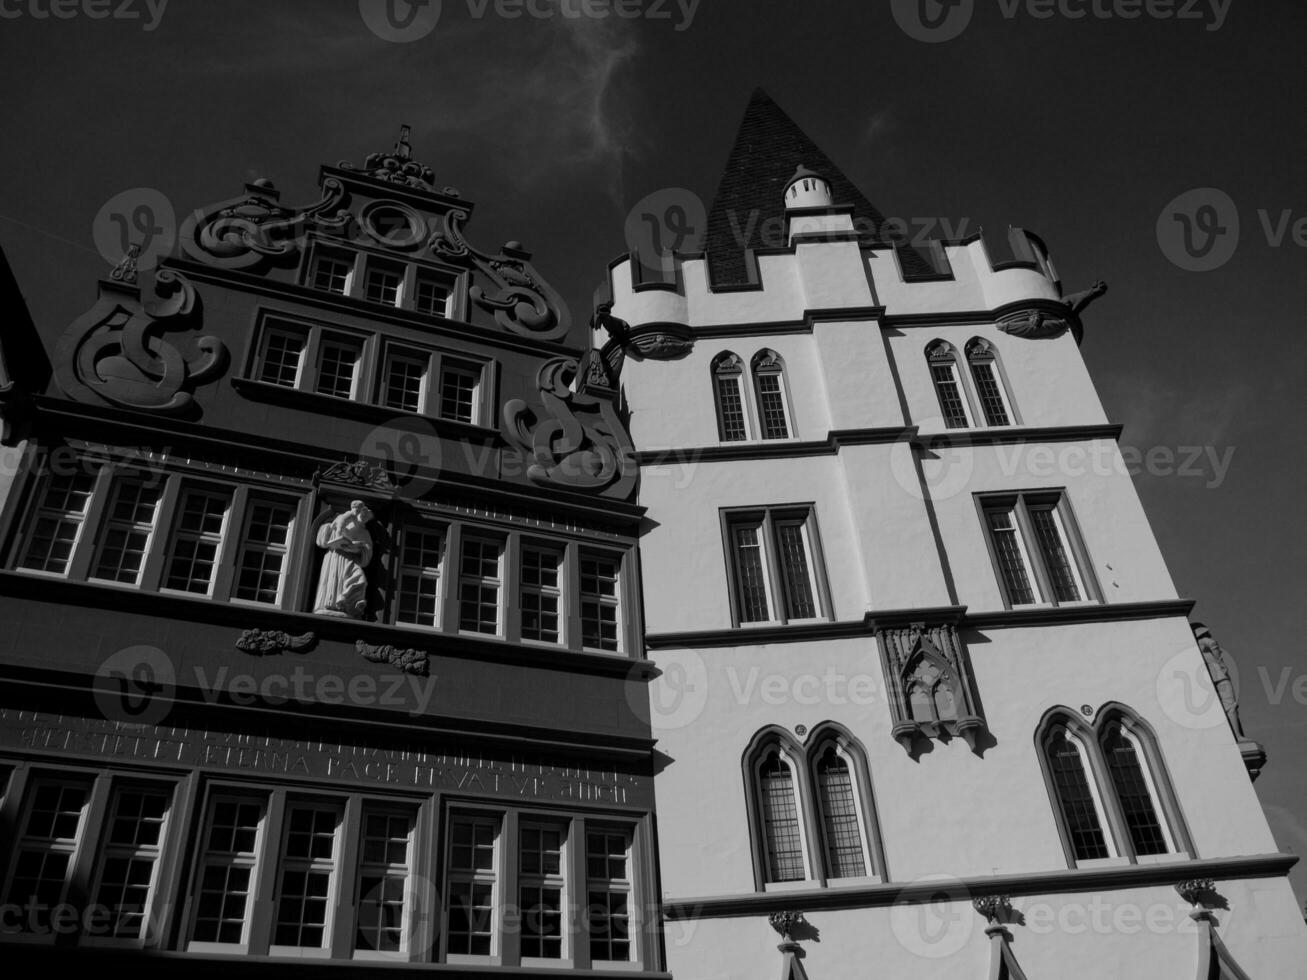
x=254, y=230
x=578, y=442
x=263, y=642
x=407, y=660
x=931, y=691
x=132, y=353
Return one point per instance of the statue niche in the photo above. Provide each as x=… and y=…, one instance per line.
x=931, y=691
x=343, y=580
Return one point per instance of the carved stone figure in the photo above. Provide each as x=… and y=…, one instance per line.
x=1078, y=301
x=1217, y=666
x=343, y=583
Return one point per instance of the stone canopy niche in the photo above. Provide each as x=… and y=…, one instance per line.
x=931, y=691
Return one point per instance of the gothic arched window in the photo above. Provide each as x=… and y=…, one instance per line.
x=728, y=393
x=782, y=826
x=942, y=357
x=769, y=387
x=985, y=374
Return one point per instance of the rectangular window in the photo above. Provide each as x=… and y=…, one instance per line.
x=1034, y=548
x=418, y=593
x=129, y=857
x=282, y=357
x=774, y=565
x=57, y=523
x=608, y=894
x=600, y=601
x=540, y=864
x=479, y=585
x=52, y=828
x=338, y=361
x=196, y=540
x=405, y=381
x=431, y=295
x=381, y=284
x=306, y=884
x=542, y=594
x=227, y=870
x=471, y=902
x=458, y=391
x=385, y=865
x=332, y=273
x=264, y=550
x=126, y=531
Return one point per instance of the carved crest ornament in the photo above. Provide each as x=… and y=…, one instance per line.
x=134, y=353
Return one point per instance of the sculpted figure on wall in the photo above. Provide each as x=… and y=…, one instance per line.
x=342, y=583
x=1219, y=668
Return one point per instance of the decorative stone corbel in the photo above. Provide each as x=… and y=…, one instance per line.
x=998, y=913
x=1214, y=960
x=786, y=924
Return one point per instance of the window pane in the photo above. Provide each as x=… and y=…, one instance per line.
x=608, y=892
x=419, y=576
x=471, y=888
x=281, y=358
x=308, y=867
x=540, y=890
x=130, y=855
x=383, y=881
x=750, y=574
x=839, y=814
x=991, y=396
x=1011, y=561
x=337, y=365
x=331, y=273
x=780, y=819
x=404, y=378
x=196, y=540
x=730, y=408
x=599, y=601
x=128, y=525
x=479, y=586
x=263, y=555
x=432, y=296
x=800, y=600
x=1057, y=560
x=950, y=396
x=52, y=828
x=541, y=595
x=458, y=387
x=1133, y=793
x=771, y=406
x=58, y=520
x=1079, y=811
x=227, y=870
x=382, y=285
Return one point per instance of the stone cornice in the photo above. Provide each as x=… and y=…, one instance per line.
x=745, y=636
x=963, y=889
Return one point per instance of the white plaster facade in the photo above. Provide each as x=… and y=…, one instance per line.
x=900, y=529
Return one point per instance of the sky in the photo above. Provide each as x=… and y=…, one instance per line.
x=1083, y=120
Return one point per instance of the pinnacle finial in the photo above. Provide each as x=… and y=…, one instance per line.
x=403, y=148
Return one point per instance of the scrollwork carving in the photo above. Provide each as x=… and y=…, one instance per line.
x=408, y=660
x=261, y=642
x=579, y=442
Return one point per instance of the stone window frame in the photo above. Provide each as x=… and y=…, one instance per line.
x=765, y=517
x=361, y=259
x=727, y=367
x=1019, y=503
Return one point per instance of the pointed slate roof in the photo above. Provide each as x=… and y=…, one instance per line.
x=768, y=148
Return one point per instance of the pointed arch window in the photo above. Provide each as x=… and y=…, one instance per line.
x=811, y=810
x=985, y=374
x=728, y=390
x=769, y=385
x=943, y=360
x=1111, y=793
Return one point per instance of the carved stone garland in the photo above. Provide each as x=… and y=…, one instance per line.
x=123, y=351
x=931, y=691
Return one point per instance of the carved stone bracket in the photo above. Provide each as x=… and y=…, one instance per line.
x=124, y=350
x=358, y=475
x=1199, y=892
x=262, y=642
x=578, y=442
x=408, y=660
x=931, y=691
x=786, y=923
x=999, y=913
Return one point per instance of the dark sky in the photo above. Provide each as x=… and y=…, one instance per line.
x=1080, y=129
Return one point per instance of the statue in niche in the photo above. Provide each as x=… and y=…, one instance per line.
x=342, y=583
x=1219, y=668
